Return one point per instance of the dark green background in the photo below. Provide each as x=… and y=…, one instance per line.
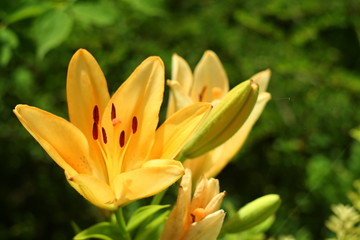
x=300, y=148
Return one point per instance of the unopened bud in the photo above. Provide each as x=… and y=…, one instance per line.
x=252, y=214
x=224, y=120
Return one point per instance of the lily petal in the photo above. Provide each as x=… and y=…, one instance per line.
x=262, y=78
x=65, y=143
x=86, y=89
x=153, y=177
x=179, y=97
x=177, y=220
x=181, y=73
x=200, y=165
x=214, y=203
x=205, y=191
x=235, y=143
x=136, y=105
x=176, y=130
x=208, y=228
x=94, y=190
x=209, y=74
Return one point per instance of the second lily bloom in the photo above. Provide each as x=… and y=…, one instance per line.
x=209, y=83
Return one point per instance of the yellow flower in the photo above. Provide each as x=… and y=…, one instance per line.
x=196, y=218
x=111, y=150
x=209, y=83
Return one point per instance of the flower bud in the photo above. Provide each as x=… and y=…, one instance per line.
x=252, y=214
x=224, y=120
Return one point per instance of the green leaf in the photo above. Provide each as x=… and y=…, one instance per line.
x=97, y=13
x=5, y=55
x=148, y=7
x=8, y=42
x=103, y=230
x=141, y=214
x=27, y=12
x=50, y=30
x=152, y=230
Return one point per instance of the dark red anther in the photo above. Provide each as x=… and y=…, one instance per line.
x=96, y=115
x=95, y=131
x=134, y=124
x=113, y=112
x=201, y=96
x=104, y=135
x=192, y=217
x=122, y=139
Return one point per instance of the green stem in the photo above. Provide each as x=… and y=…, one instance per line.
x=122, y=225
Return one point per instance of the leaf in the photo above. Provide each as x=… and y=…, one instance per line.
x=8, y=42
x=50, y=30
x=103, y=230
x=141, y=214
x=98, y=13
x=147, y=7
x=152, y=230
x=27, y=12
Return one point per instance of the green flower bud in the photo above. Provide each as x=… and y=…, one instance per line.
x=224, y=120
x=252, y=214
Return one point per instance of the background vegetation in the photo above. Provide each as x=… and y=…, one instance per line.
x=301, y=148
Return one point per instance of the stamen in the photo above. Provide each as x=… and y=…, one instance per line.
x=134, y=124
x=122, y=139
x=201, y=96
x=113, y=112
x=104, y=135
x=192, y=218
x=96, y=114
x=95, y=131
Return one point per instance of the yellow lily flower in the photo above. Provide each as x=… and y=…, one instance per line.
x=197, y=218
x=110, y=150
x=209, y=83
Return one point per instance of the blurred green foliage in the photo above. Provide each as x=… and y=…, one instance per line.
x=301, y=147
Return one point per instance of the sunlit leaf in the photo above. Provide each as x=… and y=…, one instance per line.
x=141, y=214
x=8, y=42
x=27, y=12
x=50, y=30
x=97, y=13
x=148, y=7
x=152, y=230
x=103, y=230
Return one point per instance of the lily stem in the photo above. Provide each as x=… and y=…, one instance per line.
x=122, y=225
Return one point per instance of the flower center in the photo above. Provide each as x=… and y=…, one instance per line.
x=115, y=122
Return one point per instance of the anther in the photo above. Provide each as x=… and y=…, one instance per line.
x=113, y=112
x=201, y=95
x=134, y=124
x=104, y=135
x=122, y=139
x=96, y=114
x=95, y=131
